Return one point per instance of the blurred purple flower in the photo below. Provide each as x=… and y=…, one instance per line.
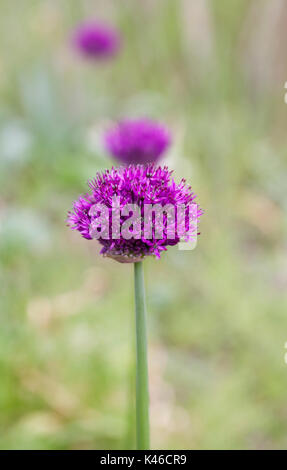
x=96, y=41
x=139, y=141
x=138, y=185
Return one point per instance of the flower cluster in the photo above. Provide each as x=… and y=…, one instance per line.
x=96, y=41
x=139, y=185
x=139, y=141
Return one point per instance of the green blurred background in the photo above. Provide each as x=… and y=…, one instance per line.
x=214, y=72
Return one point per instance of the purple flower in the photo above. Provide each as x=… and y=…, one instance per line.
x=143, y=186
x=141, y=141
x=96, y=41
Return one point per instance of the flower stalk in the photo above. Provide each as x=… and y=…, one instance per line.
x=142, y=394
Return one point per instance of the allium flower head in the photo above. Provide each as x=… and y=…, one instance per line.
x=140, y=141
x=96, y=41
x=139, y=185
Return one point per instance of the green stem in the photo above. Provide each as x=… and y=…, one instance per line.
x=142, y=396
